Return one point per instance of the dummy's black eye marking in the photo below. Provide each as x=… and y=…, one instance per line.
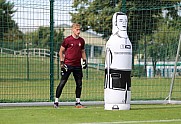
x=120, y=20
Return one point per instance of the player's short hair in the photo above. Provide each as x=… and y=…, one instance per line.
x=76, y=25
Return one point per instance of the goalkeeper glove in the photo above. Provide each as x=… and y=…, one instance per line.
x=84, y=64
x=64, y=67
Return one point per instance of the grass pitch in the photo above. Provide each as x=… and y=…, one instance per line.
x=144, y=114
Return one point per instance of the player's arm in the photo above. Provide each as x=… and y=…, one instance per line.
x=61, y=53
x=83, y=54
x=62, y=57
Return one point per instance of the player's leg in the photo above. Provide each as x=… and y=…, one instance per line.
x=77, y=73
x=60, y=87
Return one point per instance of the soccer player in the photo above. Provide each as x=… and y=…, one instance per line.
x=71, y=52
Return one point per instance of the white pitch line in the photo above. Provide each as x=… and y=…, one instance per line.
x=131, y=122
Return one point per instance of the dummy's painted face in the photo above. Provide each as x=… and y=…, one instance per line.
x=122, y=22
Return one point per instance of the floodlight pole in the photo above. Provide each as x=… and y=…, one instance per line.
x=174, y=72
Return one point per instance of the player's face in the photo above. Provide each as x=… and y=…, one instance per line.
x=122, y=22
x=76, y=31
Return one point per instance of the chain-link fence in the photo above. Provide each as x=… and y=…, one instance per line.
x=31, y=33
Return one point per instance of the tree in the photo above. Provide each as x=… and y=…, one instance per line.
x=143, y=16
x=59, y=36
x=6, y=21
x=95, y=15
x=44, y=34
x=40, y=38
x=162, y=44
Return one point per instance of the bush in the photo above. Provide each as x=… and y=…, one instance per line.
x=138, y=71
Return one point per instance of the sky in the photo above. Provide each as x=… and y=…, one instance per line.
x=34, y=13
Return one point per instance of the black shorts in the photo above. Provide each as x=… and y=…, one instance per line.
x=76, y=70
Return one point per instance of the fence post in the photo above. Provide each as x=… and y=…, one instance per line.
x=51, y=51
x=123, y=7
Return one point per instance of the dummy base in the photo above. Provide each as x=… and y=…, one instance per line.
x=117, y=106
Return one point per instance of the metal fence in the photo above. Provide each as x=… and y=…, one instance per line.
x=31, y=33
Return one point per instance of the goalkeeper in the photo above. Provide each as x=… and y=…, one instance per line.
x=71, y=52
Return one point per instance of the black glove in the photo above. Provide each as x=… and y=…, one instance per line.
x=84, y=64
x=63, y=67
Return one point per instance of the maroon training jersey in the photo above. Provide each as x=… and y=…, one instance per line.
x=73, y=50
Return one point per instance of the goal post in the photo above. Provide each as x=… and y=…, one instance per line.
x=174, y=72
